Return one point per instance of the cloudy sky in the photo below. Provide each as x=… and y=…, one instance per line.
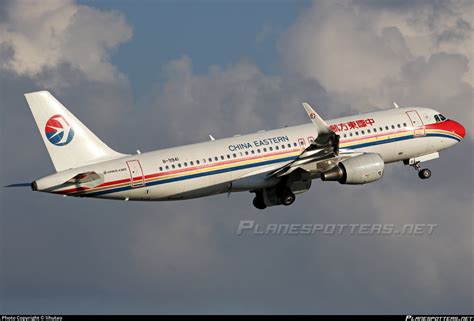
x=153, y=74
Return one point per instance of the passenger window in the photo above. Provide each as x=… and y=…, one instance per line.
x=264, y=150
x=235, y=155
x=271, y=148
x=216, y=158
x=173, y=166
x=252, y=151
x=185, y=164
x=246, y=152
x=375, y=130
x=398, y=125
x=210, y=159
x=295, y=144
x=277, y=148
x=404, y=124
x=161, y=169
x=357, y=133
x=393, y=127
x=386, y=127
x=344, y=135
x=381, y=129
x=282, y=146
x=258, y=150
x=350, y=134
x=197, y=162
x=167, y=167
x=191, y=163
x=222, y=157
x=228, y=156
x=362, y=132
x=179, y=165
x=289, y=145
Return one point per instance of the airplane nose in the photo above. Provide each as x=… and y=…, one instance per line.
x=459, y=129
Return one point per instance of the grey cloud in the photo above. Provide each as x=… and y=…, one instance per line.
x=59, y=32
x=457, y=34
x=436, y=82
x=235, y=100
x=370, y=56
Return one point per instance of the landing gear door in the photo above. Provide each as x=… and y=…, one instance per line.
x=416, y=123
x=136, y=173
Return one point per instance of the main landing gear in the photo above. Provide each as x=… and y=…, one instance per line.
x=424, y=173
x=258, y=201
x=286, y=197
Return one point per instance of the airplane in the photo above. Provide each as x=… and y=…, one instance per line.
x=275, y=165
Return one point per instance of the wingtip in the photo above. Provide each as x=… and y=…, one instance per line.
x=37, y=92
x=308, y=108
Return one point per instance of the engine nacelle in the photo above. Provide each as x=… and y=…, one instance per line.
x=360, y=169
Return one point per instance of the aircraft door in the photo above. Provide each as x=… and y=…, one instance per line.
x=416, y=122
x=136, y=173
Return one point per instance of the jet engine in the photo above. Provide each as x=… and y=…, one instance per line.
x=362, y=169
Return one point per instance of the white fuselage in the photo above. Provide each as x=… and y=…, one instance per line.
x=234, y=164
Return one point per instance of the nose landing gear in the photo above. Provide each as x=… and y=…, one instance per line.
x=424, y=173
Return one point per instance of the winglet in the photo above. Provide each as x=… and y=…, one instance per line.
x=322, y=126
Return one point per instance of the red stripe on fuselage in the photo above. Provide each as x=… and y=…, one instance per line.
x=448, y=125
x=357, y=138
x=187, y=169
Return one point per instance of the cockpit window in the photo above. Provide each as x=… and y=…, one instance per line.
x=439, y=118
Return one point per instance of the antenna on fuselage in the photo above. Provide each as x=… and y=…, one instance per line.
x=212, y=138
x=396, y=105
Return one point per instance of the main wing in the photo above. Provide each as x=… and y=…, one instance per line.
x=322, y=154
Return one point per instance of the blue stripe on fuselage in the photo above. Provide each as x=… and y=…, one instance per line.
x=239, y=167
x=184, y=177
